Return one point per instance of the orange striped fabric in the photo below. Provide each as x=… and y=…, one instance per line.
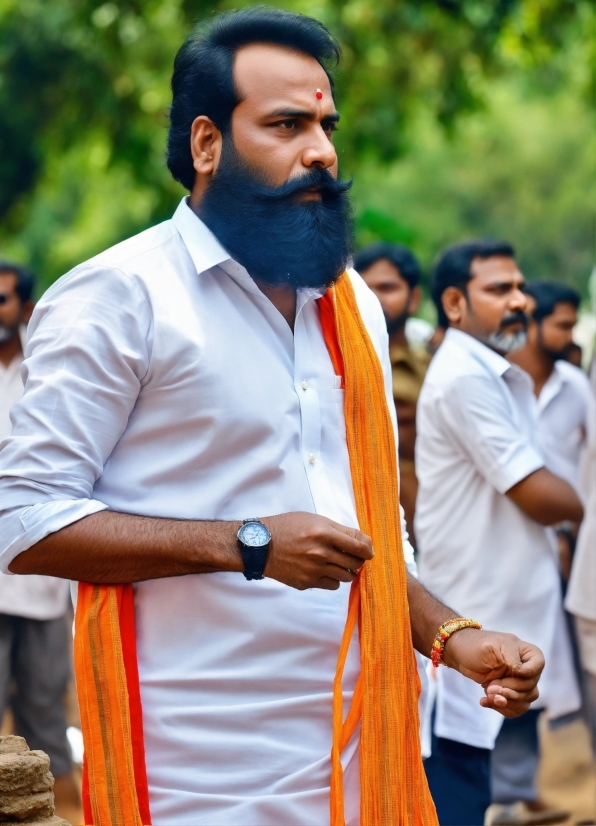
x=115, y=791
x=394, y=791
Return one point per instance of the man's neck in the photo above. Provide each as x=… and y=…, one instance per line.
x=397, y=337
x=9, y=349
x=283, y=298
x=535, y=362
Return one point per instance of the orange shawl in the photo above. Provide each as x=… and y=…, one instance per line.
x=394, y=791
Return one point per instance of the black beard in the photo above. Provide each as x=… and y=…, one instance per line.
x=275, y=236
x=396, y=323
x=553, y=355
x=557, y=355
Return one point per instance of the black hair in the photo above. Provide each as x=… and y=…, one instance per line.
x=402, y=258
x=453, y=267
x=547, y=294
x=25, y=279
x=203, y=80
x=442, y=319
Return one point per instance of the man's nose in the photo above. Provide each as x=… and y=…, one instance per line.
x=518, y=301
x=320, y=152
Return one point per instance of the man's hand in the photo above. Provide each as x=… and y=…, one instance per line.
x=311, y=551
x=507, y=668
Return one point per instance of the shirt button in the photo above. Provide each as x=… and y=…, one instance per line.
x=304, y=385
x=311, y=458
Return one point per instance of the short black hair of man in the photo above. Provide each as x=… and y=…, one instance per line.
x=402, y=258
x=547, y=294
x=25, y=279
x=203, y=81
x=453, y=267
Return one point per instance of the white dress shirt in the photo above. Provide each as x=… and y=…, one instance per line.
x=563, y=406
x=162, y=382
x=479, y=552
x=33, y=597
x=581, y=593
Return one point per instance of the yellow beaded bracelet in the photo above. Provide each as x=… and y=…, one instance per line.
x=445, y=631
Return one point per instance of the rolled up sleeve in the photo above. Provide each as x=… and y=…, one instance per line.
x=481, y=422
x=87, y=355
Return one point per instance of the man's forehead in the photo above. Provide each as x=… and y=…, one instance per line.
x=8, y=281
x=497, y=266
x=270, y=75
x=382, y=270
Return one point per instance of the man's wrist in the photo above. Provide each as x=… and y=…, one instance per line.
x=451, y=646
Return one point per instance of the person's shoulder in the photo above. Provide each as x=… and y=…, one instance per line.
x=452, y=363
x=118, y=268
x=575, y=376
x=369, y=306
x=365, y=297
x=128, y=255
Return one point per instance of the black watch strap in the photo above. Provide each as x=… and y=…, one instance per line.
x=254, y=560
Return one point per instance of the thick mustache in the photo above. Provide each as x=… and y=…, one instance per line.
x=517, y=317
x=320, y=179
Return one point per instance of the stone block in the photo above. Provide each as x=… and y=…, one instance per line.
x=10, y=744
x=25, y=771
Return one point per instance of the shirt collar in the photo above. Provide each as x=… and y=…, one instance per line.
x=481, y=352
x=202, y=245
x=552, y=387
x=206, y=252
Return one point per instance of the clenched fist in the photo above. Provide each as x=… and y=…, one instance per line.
x=506, y=667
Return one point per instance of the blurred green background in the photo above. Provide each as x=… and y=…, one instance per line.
x=459, y=118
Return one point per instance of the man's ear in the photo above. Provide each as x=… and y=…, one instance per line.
x=205, y=145
x=414, y=300
x=27, y=311
x=454, y=304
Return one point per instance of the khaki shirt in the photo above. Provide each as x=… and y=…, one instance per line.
x=408, y=367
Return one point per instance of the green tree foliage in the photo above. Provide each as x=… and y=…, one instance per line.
x=522, y=169
x=84, y=90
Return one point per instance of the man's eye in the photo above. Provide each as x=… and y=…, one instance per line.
x=330, y=126
x=288, y=124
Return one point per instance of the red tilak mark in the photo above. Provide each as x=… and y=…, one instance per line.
x=318, y=94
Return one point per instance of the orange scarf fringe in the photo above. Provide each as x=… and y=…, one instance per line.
x=394, y=791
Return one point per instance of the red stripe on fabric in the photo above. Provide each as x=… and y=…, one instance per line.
x=129, y=654
x=87, y=811
x=327, y=317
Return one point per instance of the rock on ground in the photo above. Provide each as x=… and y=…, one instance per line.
x=26, y=786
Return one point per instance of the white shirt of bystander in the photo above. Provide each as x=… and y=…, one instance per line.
x=34, y=597
x=163, y=382
x=563, y=413
x=581, y=593
x=479, y=552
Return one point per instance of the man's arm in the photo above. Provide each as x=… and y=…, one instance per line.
x=306, y=551
x=507, y=668
x=479, y=419
x=547, y=498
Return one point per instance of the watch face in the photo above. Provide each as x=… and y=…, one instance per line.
x=254, y=534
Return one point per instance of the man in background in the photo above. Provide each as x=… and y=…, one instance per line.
x=484, y=500
x=393, y=273
x=581, y=593
x=34, y=643
x=562, y=390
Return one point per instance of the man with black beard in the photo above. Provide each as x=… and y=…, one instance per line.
x=485, y=498
x=392, y=273
x=184, y=416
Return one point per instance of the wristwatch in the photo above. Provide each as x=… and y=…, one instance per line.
x=254, y=540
